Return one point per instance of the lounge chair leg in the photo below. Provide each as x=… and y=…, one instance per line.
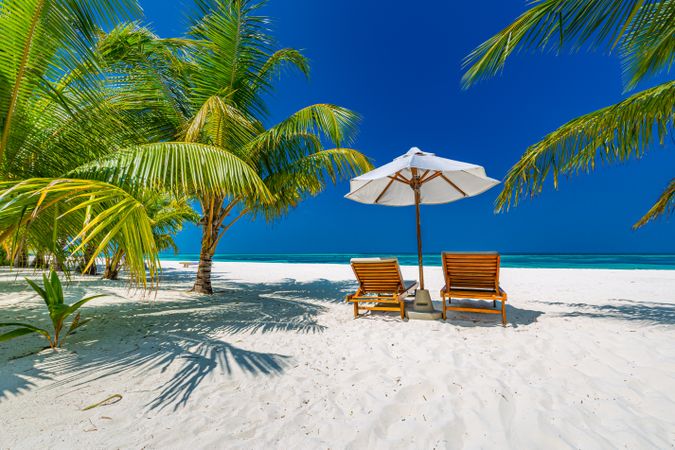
x=494, y=303
x=356, y=310
x=503, y=313
x=402, y=304
x=443, y=315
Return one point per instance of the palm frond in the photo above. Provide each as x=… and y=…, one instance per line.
x=151, y=70
x=333, y=122
x=167, y=213
x=234, y=46
x=41, y=41
x=614, y=133
x=182, y=167
x=220, y=124
x=308, y=176
x=115, y=217
x=556, y=24
x=649, y=47
x=331, y=164
x=276, y=62
x=665, y=205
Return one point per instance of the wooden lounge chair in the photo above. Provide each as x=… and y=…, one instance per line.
x=473, y=276
x=381, y=286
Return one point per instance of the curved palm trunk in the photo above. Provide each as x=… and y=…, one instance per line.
x=56, y=264
x=88, y=255
x=203, y=282
x=40, y=261
x=21, y=257
x=212, y=209
x=113, y=265
x=213, y=229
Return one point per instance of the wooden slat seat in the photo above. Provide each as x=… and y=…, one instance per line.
x=381, y=286
x=472, y=276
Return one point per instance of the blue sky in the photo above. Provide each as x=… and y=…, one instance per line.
x=400, y=68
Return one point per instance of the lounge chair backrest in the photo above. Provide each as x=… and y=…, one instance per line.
x=471, y=270
x=378, y=275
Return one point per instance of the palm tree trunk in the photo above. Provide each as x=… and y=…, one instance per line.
x=112, y=272
x=213, y=227
x=203, y=282
x=113, y=265
x=56, y=263
x=214, y=214
x=40, y=260
x=88, y=255
x=21, y=257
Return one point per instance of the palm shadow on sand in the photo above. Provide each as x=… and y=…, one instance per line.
x=652, y=313
x=190, y=331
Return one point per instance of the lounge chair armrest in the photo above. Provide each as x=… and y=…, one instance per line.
x=355, y=294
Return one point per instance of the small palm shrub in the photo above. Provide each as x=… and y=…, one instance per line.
x=59, y=311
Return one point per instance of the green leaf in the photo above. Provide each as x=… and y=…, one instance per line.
x=612, y=134
x=117, y=219
x=649, y=47
x=665, y=205
x=57, y=289
x=15, y=333
x=19, y=324
x=183, y=167
x=279, y=59
x=75, y=324
x=41, y=39
x=39, y=290
x=556, y=24
x=22, y=326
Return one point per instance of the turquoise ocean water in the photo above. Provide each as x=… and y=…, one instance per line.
x=570, y=261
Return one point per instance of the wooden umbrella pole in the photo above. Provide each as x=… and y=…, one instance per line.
x=416, y=188
x=419, y=238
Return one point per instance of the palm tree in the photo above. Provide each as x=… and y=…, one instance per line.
x=66, y=99
x=180, y=116
x=236, y=65
x=642, y=31
x=228, y=70
x=51, y=99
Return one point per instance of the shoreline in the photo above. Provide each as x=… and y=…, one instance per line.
x=174, y=264
x=509, y=261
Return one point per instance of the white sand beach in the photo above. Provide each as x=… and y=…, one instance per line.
x=275, y=359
